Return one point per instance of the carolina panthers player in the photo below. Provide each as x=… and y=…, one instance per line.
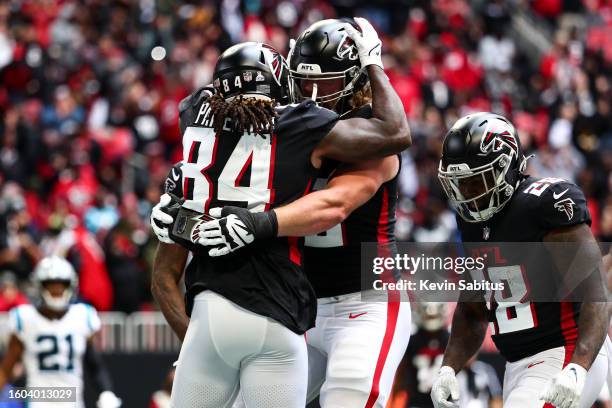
x=553, y=350
x=54, y=338
x=355, y=347
x=275, y=168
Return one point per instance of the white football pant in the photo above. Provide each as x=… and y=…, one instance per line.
x=354, y=351
x=355, y=348
x=227, y=348
x=525, y=380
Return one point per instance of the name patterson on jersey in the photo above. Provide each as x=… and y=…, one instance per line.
x=205, y=118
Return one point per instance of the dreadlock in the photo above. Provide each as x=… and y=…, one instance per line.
x=246, y=114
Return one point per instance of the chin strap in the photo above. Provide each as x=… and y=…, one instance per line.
x=57, y=303
x=522, y=167
x=315, y=88
x=523, y=164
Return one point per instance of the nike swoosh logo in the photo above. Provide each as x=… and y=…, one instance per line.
x=556, y=196
x=354, y=316
x=534, y=364
x=575, y=373
x=175, y=176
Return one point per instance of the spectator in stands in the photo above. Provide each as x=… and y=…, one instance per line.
x=18, y=249
x=10, y=295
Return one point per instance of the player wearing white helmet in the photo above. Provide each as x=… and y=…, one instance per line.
x=54, y=338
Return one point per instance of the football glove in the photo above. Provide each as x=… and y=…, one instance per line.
x=565, y=388
x=291, y=48
x=237, y=228
x=444, y=386
x=185, y=230
x=369, y=46
x=108, y=399
x=163, y=215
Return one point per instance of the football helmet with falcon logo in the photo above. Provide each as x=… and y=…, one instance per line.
x=482, y=163
x=324, y=65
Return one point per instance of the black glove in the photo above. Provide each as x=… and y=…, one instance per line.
x=184, y=229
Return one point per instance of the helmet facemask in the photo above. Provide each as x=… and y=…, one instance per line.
x=349, y=81
x=57, y=303
x=55, y=270
x=479, y=193
x=324, y=66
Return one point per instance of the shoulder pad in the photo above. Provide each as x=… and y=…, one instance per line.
x=18, y=317
x=90, y=317
x=559, y=203
x=297, y=119
x=196, y=98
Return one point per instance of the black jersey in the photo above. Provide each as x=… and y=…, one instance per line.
x=258, y=172
x=537, y=207
x=332, y=258
x=420, y=364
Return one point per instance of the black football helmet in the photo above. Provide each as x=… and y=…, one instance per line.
x=482, y=164
x=325, y=52
x=252, y=68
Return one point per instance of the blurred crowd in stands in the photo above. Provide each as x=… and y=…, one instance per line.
x=89, y=92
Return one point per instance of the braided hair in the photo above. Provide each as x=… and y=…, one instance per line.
x=246, y=114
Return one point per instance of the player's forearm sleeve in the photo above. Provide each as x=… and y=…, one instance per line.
x=96, y=367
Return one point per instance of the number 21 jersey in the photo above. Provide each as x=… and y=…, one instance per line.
x=54, y=348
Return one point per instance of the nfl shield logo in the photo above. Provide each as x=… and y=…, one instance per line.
x=216, y=83
x=247, y=76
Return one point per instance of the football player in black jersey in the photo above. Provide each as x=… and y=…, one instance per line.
x=553, y=350
x=265, y=285
x=355, y=203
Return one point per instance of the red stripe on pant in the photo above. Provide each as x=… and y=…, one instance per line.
x=569, y=351
x=393, y=305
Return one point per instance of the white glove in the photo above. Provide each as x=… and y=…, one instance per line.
x=445, y=386
x=369, y=46
x=161, y=217
x=227, y=234
x=108, y=399
x=291, y=47
x=565, y=388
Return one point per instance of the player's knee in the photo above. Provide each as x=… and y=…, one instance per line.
x=349, y=375
x=349, y=362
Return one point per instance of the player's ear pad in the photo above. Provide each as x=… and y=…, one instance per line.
x=185, y=229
